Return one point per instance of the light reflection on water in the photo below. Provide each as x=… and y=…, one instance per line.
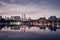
x=26, y=28
x=26, y=32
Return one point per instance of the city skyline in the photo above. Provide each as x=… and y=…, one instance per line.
x=34, y=9
x=25, y=16
x=29, y=19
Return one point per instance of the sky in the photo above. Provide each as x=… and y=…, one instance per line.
x=32, y=8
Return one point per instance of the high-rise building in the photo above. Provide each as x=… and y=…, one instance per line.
x=53, y=18
x=7, y=18
x=24, y=17
x=58, y=19
x=16, y=18
x=0, y=17
x=29, y=19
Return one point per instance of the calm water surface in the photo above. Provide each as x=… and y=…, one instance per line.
x=29, y=32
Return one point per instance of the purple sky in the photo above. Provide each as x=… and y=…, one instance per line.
x=32, y=8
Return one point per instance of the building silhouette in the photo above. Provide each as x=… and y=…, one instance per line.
x=16, y=18
x=53, y=18
x=0, y=17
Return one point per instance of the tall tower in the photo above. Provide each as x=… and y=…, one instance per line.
x=24, y=17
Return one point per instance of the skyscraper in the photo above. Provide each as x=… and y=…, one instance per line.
x=16, y=18
x=24, y=17
x=0, y=17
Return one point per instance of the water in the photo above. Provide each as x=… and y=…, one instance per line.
x=26, y=32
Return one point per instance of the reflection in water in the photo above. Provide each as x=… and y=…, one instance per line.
x=29, y=32
x=23, y=28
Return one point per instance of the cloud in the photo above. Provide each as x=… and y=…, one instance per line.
x=33, y=8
